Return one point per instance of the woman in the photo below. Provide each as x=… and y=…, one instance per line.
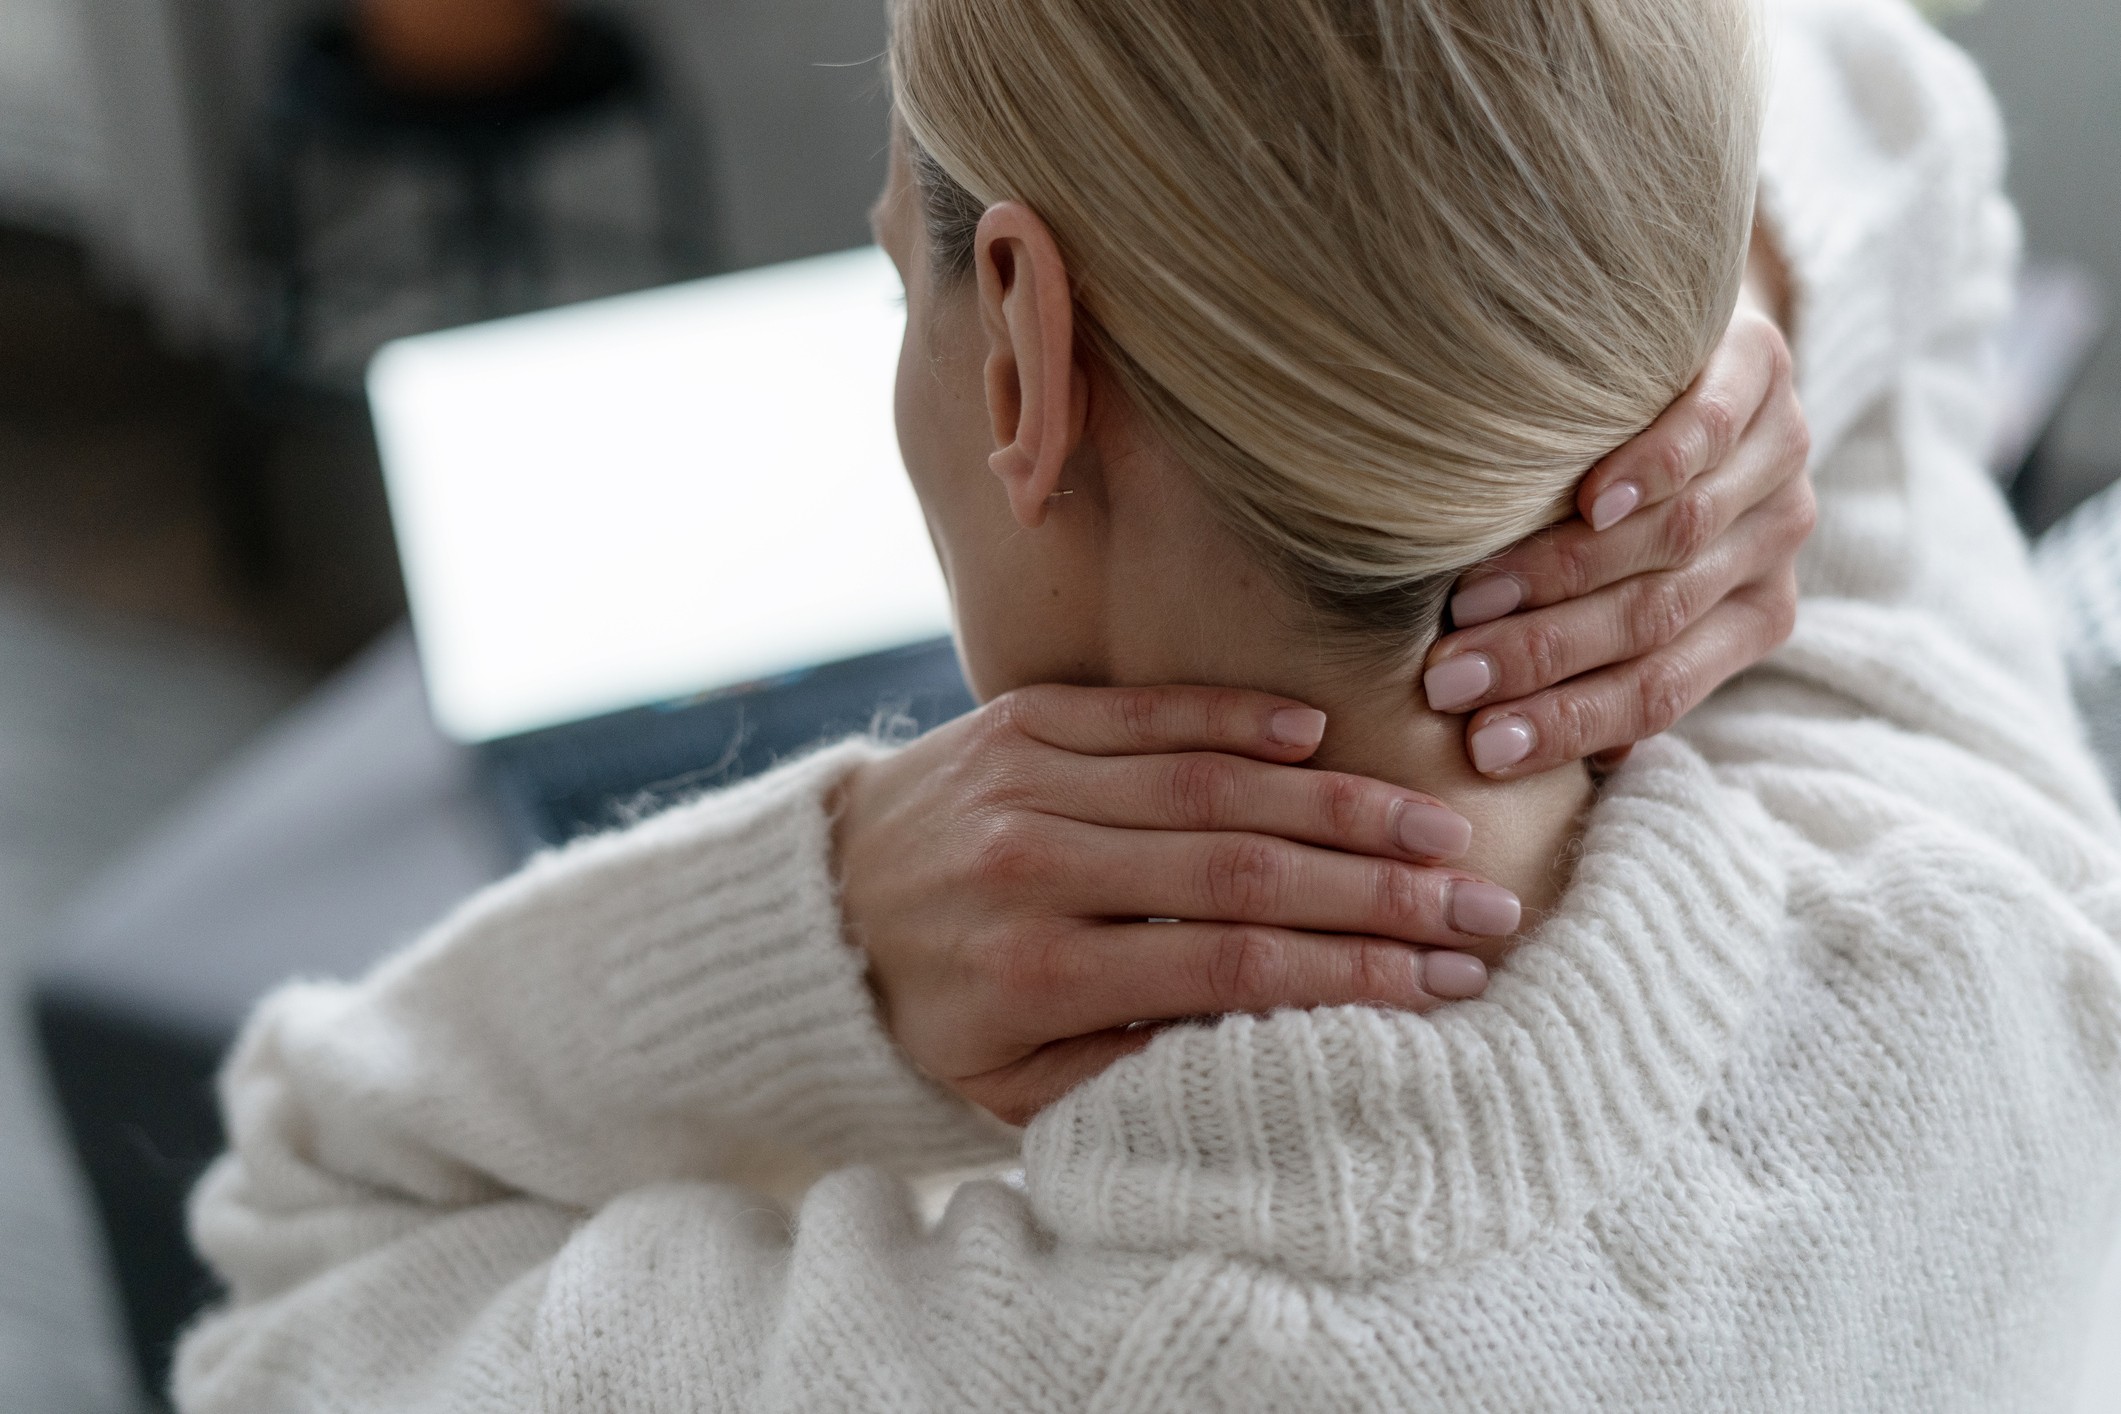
x=1236, y=334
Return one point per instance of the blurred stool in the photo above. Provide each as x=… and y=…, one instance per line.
x=334, y=99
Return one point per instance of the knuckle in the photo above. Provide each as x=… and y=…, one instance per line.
x=1793, y=433
x=1400, y=893
x=1201, y=791
x=1659, y=610
x=1804, y=512
x=1800, y=439
x=1229, y=715
x=1720, y=423
x=1689, y=526
x=1782, y=365
x=1245, y=877
x=1384, y=972
x=1007, y=858
x=1571, y=725
x=1782, y=610
x=1140, y=712
x=1546, y=648
x=1674, y=463
x=1009, y=715
x=1575, y=565
x=1663, y=693
x=1368, y=976
x=1005, y=781
x=1246, y=969
x=1342, y=805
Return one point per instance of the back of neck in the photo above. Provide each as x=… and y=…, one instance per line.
x=1524, y=830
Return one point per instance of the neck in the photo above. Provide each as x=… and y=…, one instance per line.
x=1221, y=621
x=1523, y=830
x=1378, y=724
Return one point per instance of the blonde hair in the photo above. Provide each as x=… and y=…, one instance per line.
x=1389, y=274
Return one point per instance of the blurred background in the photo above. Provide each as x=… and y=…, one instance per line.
x=213, y=211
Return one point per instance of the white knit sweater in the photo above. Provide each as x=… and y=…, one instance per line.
x=1808, y=1098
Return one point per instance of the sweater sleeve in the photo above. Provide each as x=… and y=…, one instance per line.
x=1882, y=183
x=669, y=1002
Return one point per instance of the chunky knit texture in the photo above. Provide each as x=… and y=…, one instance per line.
x=1809, y=1096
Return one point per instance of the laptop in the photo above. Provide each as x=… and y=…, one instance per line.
x=657, y=543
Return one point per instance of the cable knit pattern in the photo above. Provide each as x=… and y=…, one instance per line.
x=1353, y=1143
x=1807, y=1097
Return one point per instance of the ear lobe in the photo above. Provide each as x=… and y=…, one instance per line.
x=1036, y=393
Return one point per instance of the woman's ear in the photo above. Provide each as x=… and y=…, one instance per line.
x=1037, y=394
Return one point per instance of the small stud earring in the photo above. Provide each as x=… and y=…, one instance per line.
x=1057, y=495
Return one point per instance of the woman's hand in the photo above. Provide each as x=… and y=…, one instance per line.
x=1001, y=874
x=1679, y=573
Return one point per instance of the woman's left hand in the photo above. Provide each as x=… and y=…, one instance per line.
x=1679, y=573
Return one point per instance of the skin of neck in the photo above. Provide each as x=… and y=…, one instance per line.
x=1080, y=549
x=1179, y=599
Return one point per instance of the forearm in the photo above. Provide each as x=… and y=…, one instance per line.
x=675, y=1002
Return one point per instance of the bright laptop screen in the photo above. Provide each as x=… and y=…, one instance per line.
x=648, y=497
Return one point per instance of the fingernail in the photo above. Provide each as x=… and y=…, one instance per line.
x=1297, y=726
x=1431, y=831
x=1615, y=504
x=1484, y=910
x=1454, y=976
x=1458, y=682
x=1486, y=600
x=1500, y=744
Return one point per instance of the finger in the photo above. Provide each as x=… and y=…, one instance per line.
x=1216, y=792
x=1094, y=979
x=1619, y=705
x=1572, y=560
x=1519, y=655
x=1250, y=878
x=1131, y=721
x=1697, y=431
x=1017, y=1092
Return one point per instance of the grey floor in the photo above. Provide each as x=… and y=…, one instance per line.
x=103, y=724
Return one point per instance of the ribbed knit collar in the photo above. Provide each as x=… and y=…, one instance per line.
x=1355, y=1142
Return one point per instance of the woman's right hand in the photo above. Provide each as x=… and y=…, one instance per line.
x=1001, y=875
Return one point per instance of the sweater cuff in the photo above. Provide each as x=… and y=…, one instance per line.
x=734, y=997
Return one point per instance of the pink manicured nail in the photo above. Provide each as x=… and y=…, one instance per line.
x=1501, y=744
x=1486, y=600
x=1615, y=504
x=1297, y=726
x=1458, y=682
x=1454, y=976
x=1484, y=910
x=1431, y=831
